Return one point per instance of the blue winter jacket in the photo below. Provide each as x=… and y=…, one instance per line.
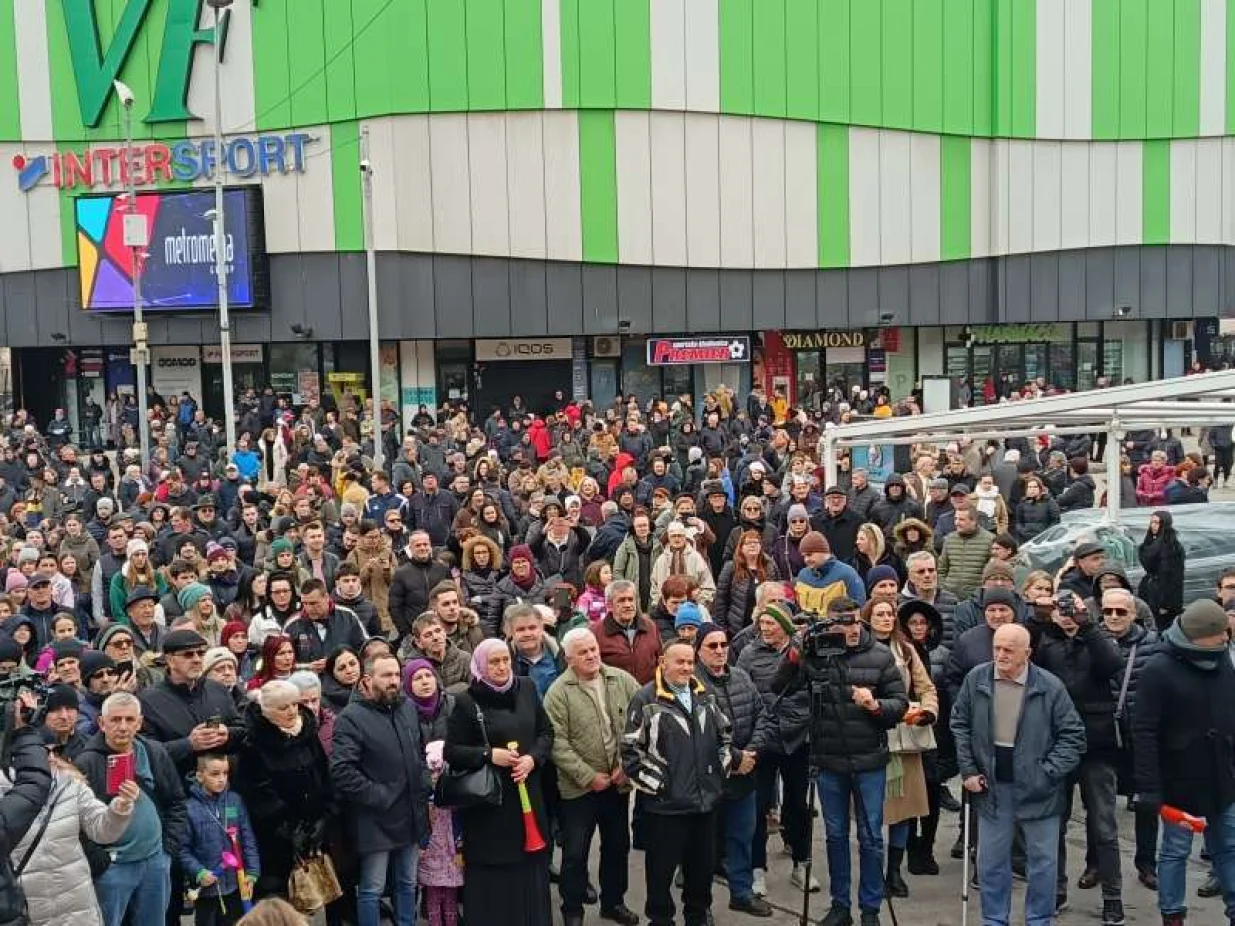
x=209, y=819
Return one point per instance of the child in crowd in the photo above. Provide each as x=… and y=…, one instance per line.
x=219, y=838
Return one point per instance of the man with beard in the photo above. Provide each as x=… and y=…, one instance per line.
x=380, y=775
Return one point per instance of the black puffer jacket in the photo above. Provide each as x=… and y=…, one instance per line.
x=844, y=736
x=1079, y=494
x=1086, y=663
x=409, y=590
x=891, y=511
x=742, y=703
x=969, y=614
x=973, y=647
x=1032, y=516
x=679, y=761
x=1140, y=644
x=480, y=587
x=171, y=711
x=734, y=602
x=18, y=810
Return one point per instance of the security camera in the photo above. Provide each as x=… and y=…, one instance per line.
x=624, y=326
x=124, y=93
x=886, y=318
x=365, y=166
x=1123, y=311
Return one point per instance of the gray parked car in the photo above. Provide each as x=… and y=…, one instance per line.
x=1204, y=530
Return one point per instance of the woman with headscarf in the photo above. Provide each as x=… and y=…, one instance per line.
x=1162, y=555
x=505, y=883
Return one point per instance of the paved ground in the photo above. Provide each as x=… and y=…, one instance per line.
x=935, y=901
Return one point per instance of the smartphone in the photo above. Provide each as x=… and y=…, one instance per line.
x=124, y=668
x=120, y=768
x=215, y=721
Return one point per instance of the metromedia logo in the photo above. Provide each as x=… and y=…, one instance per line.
x=185, y=161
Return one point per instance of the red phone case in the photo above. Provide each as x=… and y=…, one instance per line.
x=120, y=768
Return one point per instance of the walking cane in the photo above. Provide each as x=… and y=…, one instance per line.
x=965, y=863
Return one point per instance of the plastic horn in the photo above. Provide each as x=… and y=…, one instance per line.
x=533, y=841
x=1177, y=817
x=242, y=879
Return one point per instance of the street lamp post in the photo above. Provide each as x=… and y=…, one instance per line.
x=220, y=231
x=136, y=237
x=370, y=247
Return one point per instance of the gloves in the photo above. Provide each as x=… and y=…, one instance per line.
x=302, y=841
x=925, y=719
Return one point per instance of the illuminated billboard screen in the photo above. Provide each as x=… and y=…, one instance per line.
x=179, y=270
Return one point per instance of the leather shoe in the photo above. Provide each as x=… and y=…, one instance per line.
x=590, y=896
x=1088, y=879
x=947, y=801
x=1211, y=887
x=958, y=847
x=620, y=914
x=1148, y=878
x=752, y=906
x=572, y=919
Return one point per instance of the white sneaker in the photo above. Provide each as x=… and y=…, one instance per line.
x=798, y=879
x=760, y=888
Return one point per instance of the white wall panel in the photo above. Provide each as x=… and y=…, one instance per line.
x=14, y=233
x=895, y=197
x=1183, y=191
x=281, y=202
x=1210, y=191
x=924, y=190
x=1074, y=195
x=235, y=77
x=315, y=193
x=702, y=55
x=486, y=148
x=865, y=224
x=44, y=206
x=413, y=183
x=563, y=220
x=802, y=196
x=33, y=70
x=1228, y=190
x=382, y=154
x=668, y=40
x=981, y=153
x=452, y=190
x=1078, y=69
x=1213, y=67
x=1000, y=193
x=525, y=183
x=669, y=189
x=1049, y=68
x=737, y=193
x=703, y=190
x=551, y=45
x=1102, y=191
x=633, y=137
x=1047, y=187
x=1020, y=196
x=1129, y=193
x=769, y=174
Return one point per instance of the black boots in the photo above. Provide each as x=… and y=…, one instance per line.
x=920, y=857
x=893, y=883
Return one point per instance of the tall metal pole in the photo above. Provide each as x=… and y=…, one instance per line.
x=137, y=236
x=220, y=232
x=375, y=344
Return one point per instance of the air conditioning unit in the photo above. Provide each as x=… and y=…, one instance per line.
x=1179, y=331
x=606, y=346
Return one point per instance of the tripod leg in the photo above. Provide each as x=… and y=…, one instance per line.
x=965, y=811
x=808, y=863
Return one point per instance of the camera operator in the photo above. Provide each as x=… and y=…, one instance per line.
x=1082, y=655
x=31, y=776
x=1018, y=738
x=857, y=695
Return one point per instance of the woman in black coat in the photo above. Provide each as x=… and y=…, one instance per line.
x=1162, y=556
x=505, y=884
x=284, y=778
x=734, y=604
x=340, y=678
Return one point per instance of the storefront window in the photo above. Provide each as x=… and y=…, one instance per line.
x=1086, y=365
x=639, y=379
x=807, y=376
x=678, y=381
x=294, y=371
x=1063, y=366
x=1125, y=353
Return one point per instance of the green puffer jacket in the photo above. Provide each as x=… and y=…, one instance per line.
x=578, y=748
x=962, y=560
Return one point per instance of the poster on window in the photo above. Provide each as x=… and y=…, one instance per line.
x=876, y=459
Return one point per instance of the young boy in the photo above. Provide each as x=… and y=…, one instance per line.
x=218, y=823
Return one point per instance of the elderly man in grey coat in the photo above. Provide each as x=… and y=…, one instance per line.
x=1018, y=737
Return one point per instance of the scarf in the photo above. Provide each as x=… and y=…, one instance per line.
x=425, y=707
x=526, y=582
x=480, y=665
x=987, y=501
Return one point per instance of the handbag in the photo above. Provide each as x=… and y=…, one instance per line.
x=907, y=737
x=1120, y=742
x=462, y=789
x=313, y=884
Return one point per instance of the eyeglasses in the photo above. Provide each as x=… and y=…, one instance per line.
x=1117, y=612
x=120, y=644
x=716, y=646
x=105, y=673
x=192, y=653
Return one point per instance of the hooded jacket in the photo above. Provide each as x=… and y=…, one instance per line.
x=1164, y=559
x=1093, y=604
x=889, y=512
x=1087, y=663
x=900, y=544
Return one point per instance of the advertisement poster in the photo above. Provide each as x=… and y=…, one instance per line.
x=179, y=272
x=308, y=388
x=876, y=459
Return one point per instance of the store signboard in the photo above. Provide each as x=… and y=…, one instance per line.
x=241, y=353
x=498, y=349
x=175, y=370
x=822, y=340
x=679, y=351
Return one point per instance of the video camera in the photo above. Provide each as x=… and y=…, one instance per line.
x=825, y=635
x=11, y=686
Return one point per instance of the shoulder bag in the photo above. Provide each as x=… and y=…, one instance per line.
x=1123, y=697
x=463, y=789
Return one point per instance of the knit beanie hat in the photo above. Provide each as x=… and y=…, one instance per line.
x=1203, y=618
x=230, y=629
x=798, y=512
x=688, y=615
x=27, y=555
x=881, y=574
x=706, y=629
x=110, y=631
x=93, y=661
x=216, y=655
x=10, y=650
x=1004, y=596
x=136, y=545
x=998, y=569
x=15, y=580
x=72, y=649
x=215, y=551
x=814, y=542
x=191, y=594
x=282, y=545
x=59, y=696
x=779, y=612
x=522, y=551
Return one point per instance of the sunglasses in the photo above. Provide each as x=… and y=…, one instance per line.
x=192, y=653
x=716, y=646
x=121, y=644
x=1118, y=612
x=105, y=673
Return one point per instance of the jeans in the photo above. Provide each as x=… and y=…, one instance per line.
x=580, y=818
x=1173, y=855
x=898, y=834
x=836, y=790
x=738, y=819
x=1098, y=780
x=681, y=840
x=996, y=833
x=141, y=888
x=794, y=771
x=400, y=864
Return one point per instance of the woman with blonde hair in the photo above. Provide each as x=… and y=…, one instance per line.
x=872, y=550
x=906, y=797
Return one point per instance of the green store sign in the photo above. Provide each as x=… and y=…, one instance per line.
x=96, y=67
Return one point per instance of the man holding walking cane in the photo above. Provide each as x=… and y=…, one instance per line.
x=1018, y=738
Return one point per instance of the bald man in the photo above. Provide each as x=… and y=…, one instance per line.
x=1018, y=737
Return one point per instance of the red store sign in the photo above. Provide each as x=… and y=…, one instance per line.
x=679, y=351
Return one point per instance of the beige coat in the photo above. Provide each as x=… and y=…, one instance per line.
x=376, y=572
x=911, y=801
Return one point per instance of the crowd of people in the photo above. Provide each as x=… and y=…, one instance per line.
x=661, y=623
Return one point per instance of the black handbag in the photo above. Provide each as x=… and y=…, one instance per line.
x=462, y=789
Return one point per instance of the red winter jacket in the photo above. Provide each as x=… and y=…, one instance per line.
x=1151, y=484
x=542, y=440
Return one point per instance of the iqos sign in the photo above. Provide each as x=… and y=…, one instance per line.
x=497, y=349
